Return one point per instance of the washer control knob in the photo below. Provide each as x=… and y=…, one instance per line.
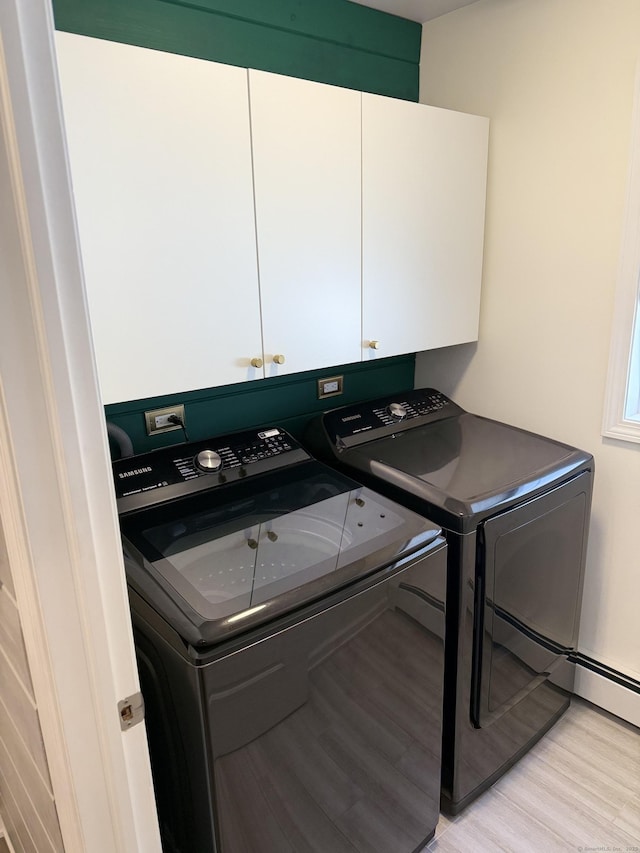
x=208, y=460
x=397, y=411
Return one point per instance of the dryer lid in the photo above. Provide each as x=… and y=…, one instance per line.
x=467, y=466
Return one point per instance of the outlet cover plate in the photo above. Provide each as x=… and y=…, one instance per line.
x=150, y=419
x=331, y=386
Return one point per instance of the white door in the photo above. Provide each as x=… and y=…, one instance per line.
x=56, y=498
x=423, y=198
x=306, y=149
x=160, y=157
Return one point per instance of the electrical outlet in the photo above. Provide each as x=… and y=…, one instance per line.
x=157, y=420
x=330, y=387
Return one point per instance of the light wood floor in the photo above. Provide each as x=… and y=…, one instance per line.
x=578, y=789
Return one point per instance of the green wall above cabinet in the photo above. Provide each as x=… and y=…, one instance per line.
x=329, y=41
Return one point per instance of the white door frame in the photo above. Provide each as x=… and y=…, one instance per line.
x=56, y=500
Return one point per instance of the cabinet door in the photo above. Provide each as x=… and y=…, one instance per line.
x=423, y=189
x=306, y=149
x=160, y=155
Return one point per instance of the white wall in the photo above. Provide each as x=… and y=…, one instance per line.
x=557, y=79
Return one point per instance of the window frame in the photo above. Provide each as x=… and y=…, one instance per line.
x=621, y=418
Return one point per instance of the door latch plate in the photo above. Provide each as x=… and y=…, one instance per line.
x=131, y=711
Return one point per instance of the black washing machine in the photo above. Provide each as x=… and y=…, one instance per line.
x=515, y=507
x=289, y=629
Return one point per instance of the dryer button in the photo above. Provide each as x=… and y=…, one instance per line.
x=397, y=411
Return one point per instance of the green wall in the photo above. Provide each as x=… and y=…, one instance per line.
x=329, y=41
x=288, y=401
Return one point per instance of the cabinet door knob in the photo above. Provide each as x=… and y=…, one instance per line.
x=278, y=359
x=374, y=344
x=256, y=362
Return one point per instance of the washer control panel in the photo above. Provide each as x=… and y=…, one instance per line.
x=365, y=421
x=165, y=473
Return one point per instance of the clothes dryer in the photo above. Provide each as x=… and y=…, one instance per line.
x=515, y=507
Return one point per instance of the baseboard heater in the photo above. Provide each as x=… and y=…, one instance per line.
x=606, y=672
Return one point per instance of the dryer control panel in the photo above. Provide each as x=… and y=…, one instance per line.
x=365, y=421
x=181, y=469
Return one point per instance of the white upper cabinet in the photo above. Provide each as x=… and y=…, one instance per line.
x=239, y=224
x=306, y=149
x=160, y=153
x=423, y=199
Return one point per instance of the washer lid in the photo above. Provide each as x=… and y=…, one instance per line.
x=221, y=562
x=467, y=466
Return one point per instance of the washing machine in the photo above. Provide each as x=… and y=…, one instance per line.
x=289, y=629
x=515, y=507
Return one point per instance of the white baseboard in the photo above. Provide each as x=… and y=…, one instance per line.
x=607, y=694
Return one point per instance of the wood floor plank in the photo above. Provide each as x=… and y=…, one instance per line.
x=540, y=790
x=493, y=824
x=579, y=787
x=629, y=818
x=444, y=824
x=596, y=793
